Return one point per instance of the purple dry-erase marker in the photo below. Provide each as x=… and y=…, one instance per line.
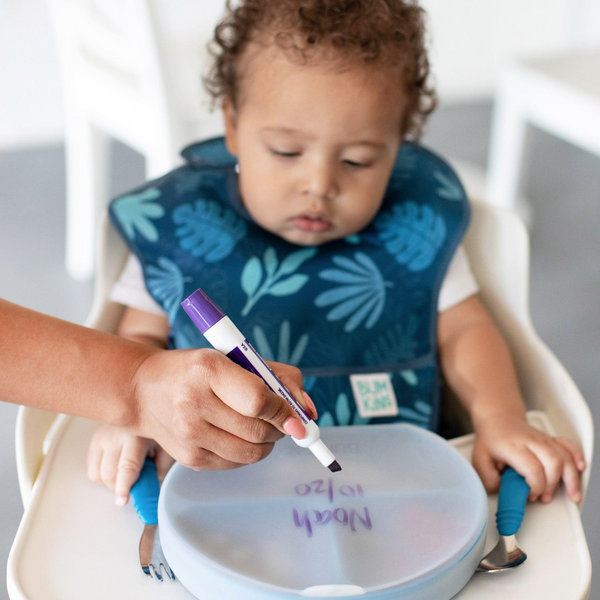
x=228, y=339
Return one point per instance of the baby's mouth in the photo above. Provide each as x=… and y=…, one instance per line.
x=312, y=222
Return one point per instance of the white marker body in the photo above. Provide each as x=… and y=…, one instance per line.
x=225, y=337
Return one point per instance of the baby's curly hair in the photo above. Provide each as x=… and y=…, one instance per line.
x=388, y=33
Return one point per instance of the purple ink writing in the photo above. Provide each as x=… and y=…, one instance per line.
x=322, y=486
x=345, y=517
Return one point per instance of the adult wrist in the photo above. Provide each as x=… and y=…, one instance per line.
x=133, y=410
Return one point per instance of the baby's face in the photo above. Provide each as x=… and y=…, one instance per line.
x=315, y=146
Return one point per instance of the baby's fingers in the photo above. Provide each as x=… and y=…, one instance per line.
x=528, y=465
x=487, y=469
x=130, y=464
x=94, y=460
x=571, y=478
x=575, y=451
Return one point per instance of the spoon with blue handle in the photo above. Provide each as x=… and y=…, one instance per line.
x=512, y=498
x=145, y=493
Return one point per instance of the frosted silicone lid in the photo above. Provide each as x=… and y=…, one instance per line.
x=405, y=509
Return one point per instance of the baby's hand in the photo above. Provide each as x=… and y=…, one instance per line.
x=543, y=460
x=116, y=456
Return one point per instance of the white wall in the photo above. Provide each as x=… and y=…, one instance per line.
x=471, y=41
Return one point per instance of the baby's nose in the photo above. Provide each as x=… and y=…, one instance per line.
x=321, y=182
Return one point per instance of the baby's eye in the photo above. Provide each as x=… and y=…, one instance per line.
x=353, y=163
x=283, y=153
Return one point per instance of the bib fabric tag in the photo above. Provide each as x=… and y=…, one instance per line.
x=374, y=395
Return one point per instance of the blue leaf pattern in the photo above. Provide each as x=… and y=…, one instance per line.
x=449, y=188
x=283, y=353
x=410, y=377
x=325, y=420
x=135, y=211
x=255, y=286
x=309, y=383
x=420, y=416
x=207, y=230
x=166, y=283
x=358, y=420
x=413, y=234
x=289, y=286
x=251, y=276
x=362, y=295
x=396, y=345
x=342, y=410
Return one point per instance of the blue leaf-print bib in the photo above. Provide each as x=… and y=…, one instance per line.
x=363, y=305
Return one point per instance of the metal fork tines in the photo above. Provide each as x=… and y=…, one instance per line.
x=152, y=558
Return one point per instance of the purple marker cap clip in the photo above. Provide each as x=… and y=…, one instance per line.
x=202, y=310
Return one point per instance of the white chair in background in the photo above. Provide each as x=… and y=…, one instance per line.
x=119, y=81
x=560, y=96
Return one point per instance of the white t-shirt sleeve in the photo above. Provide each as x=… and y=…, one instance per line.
x=459, y=282
x=130, y=289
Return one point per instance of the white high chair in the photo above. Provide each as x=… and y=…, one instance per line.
x=72, y=535
x=131, y=71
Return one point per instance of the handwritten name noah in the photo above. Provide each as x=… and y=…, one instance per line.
x=350, y=517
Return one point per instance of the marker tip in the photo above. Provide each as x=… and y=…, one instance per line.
x=334, y=467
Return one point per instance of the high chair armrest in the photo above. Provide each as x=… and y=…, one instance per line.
x=33, y=434
x=547, y=386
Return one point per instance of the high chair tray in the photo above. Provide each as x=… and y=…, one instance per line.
x=74, y=542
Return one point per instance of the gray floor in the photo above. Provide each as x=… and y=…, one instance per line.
x=563, y=184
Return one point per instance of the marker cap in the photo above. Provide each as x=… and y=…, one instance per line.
x=202, y=310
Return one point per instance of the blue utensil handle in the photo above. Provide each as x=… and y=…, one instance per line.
x=145, y=493
x=514, y=492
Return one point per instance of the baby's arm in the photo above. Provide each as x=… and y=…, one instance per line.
x=116, y=456
x=478, y=367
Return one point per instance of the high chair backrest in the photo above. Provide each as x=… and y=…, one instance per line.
x=497, y=244
x=112, y=70
x=498, y=249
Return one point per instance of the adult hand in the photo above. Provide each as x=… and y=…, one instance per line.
x=209, y=413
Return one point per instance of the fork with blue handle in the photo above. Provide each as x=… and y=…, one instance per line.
x=145, y=493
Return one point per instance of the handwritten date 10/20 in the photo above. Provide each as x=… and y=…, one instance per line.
x=351, y=517
x=321, y=486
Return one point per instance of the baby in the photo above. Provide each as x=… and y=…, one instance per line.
x=319, y=225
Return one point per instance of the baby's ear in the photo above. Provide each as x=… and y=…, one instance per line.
x=230, y=121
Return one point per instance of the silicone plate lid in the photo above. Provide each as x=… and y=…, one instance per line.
x=407, y=512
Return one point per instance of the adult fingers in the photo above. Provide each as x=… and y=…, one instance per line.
x=292, y=378
x=249, y=395
x=129, y=467
x=202, y=459
x=163, y=463
x=234, y=449
x=246, y=428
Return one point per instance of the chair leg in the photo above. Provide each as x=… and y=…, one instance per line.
x=507, y=146
x=87, y=154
